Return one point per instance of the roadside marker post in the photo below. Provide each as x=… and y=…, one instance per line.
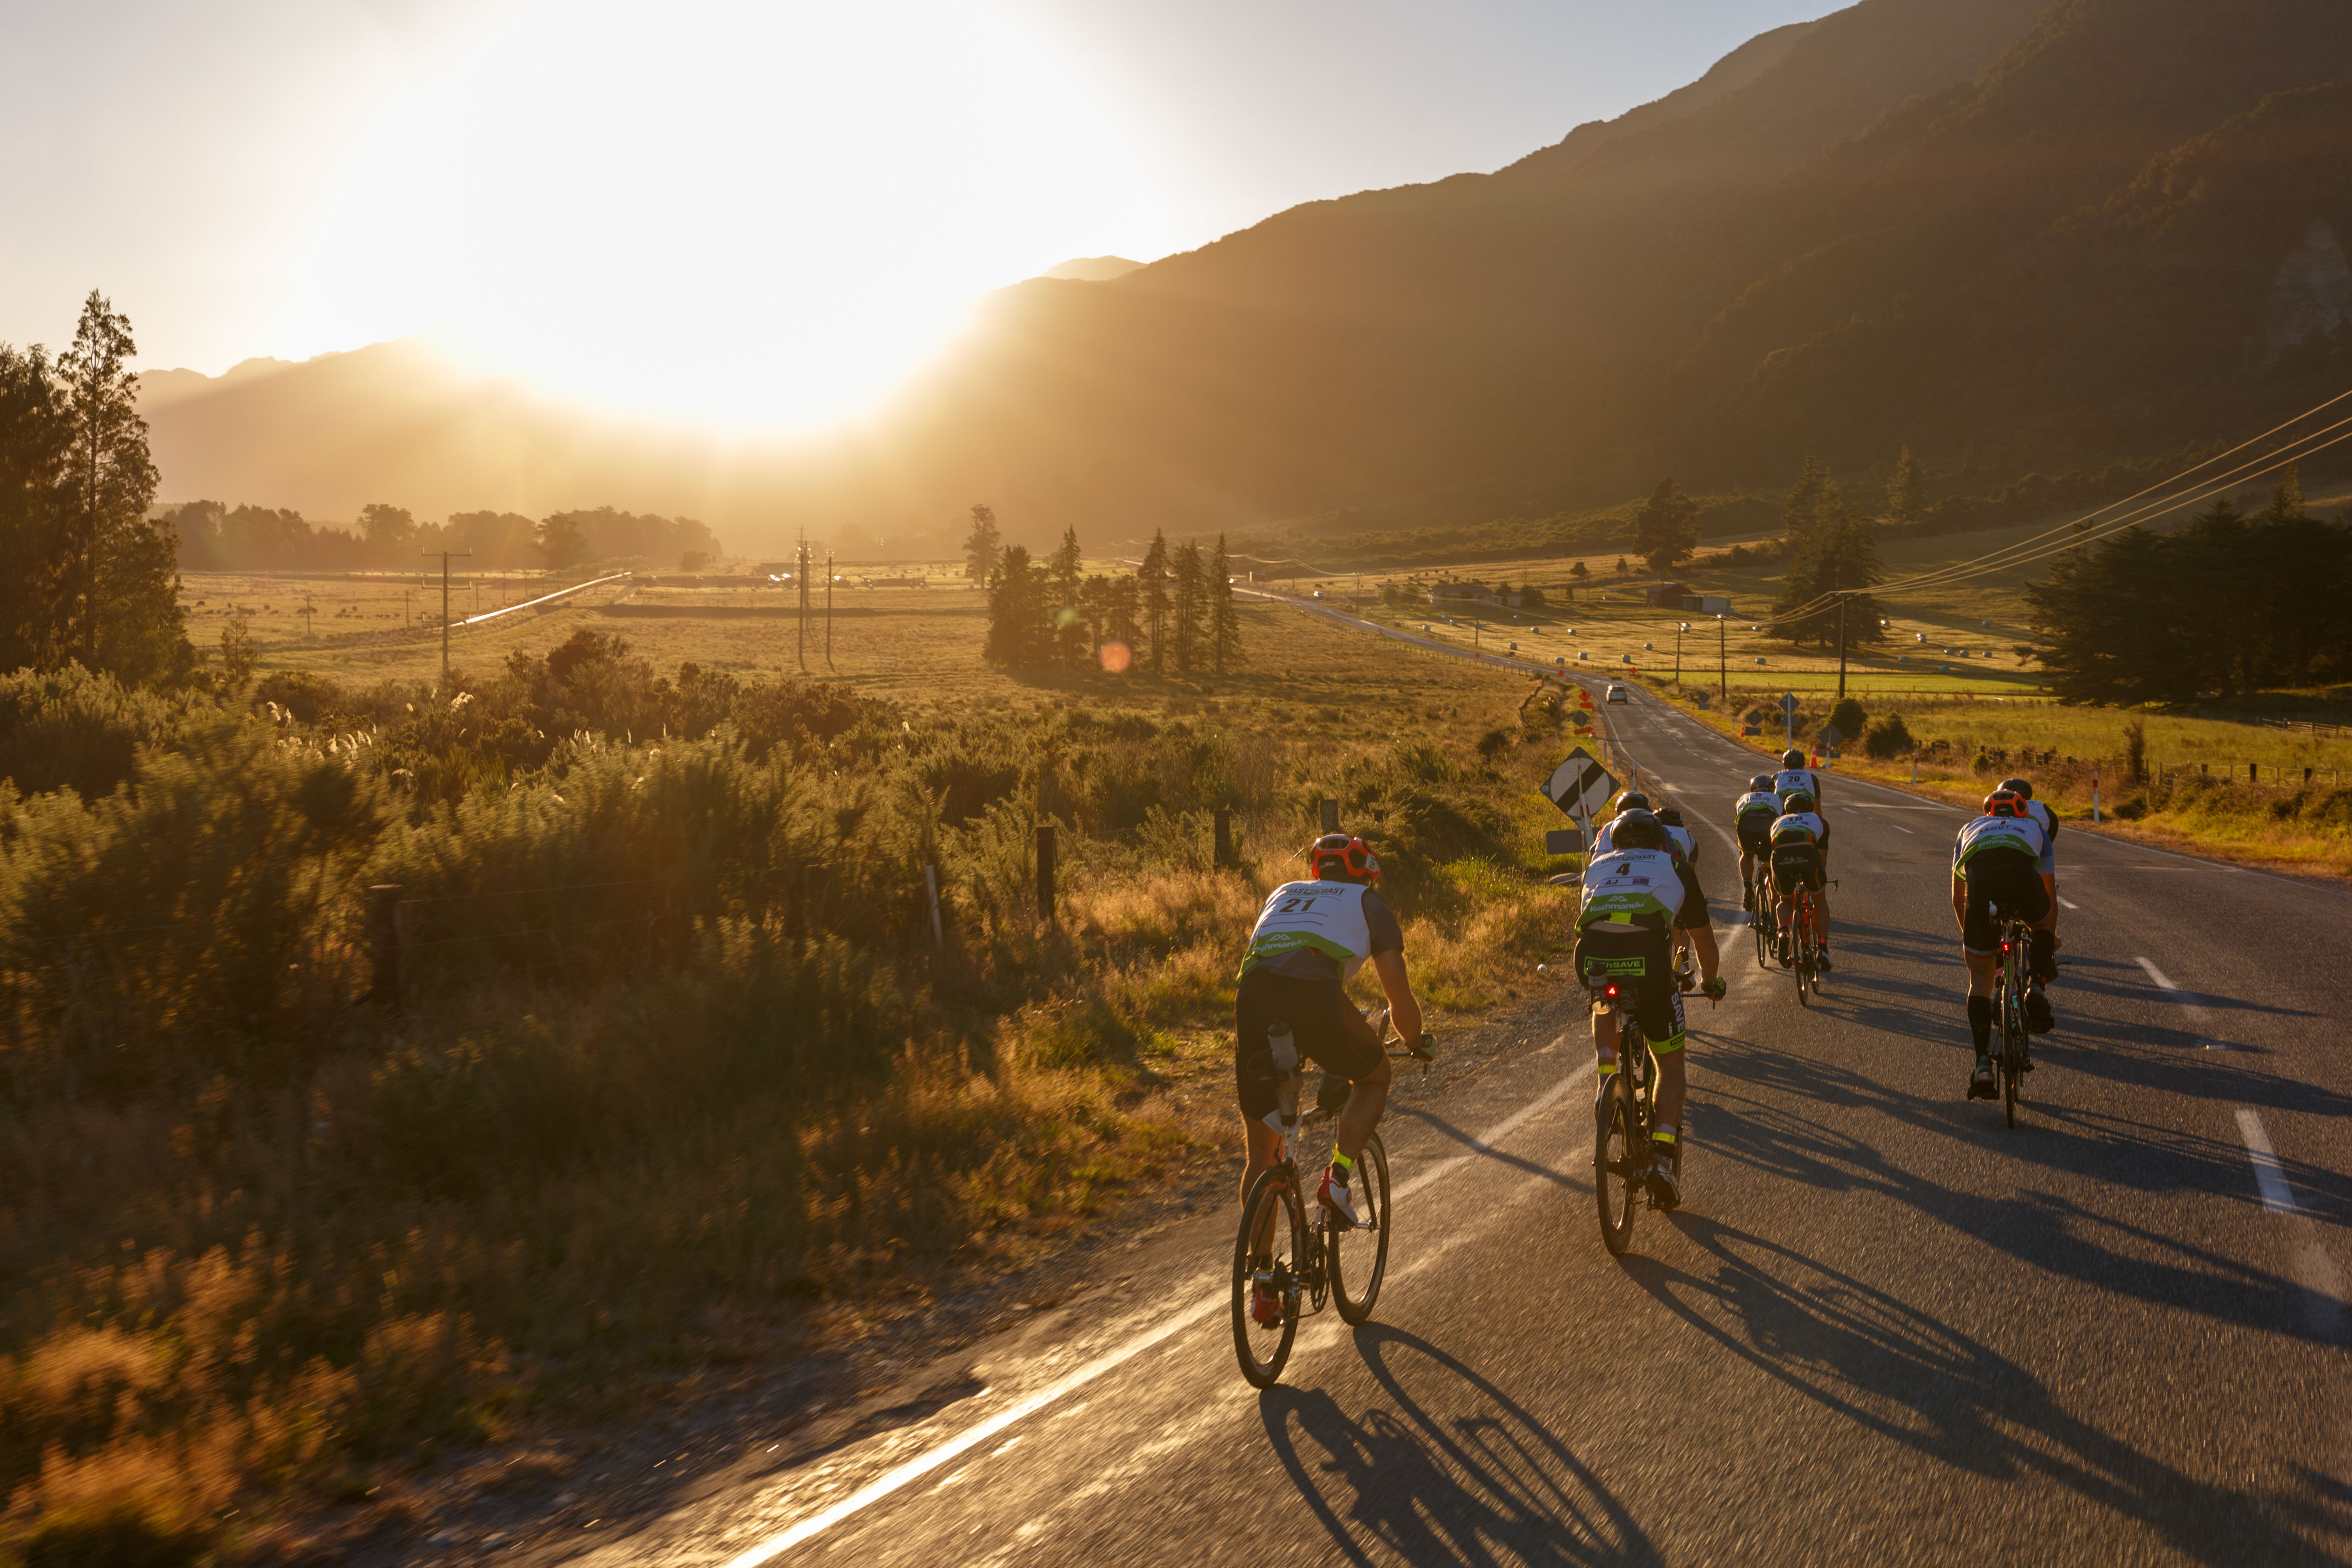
x=1789, y=719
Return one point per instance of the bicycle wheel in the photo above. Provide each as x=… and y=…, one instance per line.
x=1273, y=1205
x=2012, y=1040
x=1360, y=1257
x=1616, y=1164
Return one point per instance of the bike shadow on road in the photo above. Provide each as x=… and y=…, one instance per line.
x=1452, y=1470
x=1916, y=1380
x=1752, y=1111
x=1438, y=1125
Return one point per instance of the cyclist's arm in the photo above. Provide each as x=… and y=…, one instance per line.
x=1404, y=1012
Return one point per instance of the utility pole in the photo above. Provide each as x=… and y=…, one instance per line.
x=800, y=570
x=1680, y=628
x=1842, y=604
x=828, y=610
x=1722, y=661
x=445, y=555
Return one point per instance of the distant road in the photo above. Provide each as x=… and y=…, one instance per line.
x=1883, y=1328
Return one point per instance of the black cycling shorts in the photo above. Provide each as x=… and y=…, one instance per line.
x=1327, y=1026
x=1797, y=866
x=2003, y=884
x=1643, y=959
x=1755, y=834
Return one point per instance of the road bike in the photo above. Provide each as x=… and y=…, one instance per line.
x=1761, y=916
x=2009, y=982
x=1308, y=1264
x=1804, y=946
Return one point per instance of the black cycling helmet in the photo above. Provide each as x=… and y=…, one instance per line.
x=1632, y=800
x=1761, y=783
x=1670, y=816
x=2019, y=786
x=1792, y=758
x=1637, y=830
x=1799, y=801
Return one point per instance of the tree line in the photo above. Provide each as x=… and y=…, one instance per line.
x=2234, y=602
x=1176, y=609
x=85, y=575
x=214, y=537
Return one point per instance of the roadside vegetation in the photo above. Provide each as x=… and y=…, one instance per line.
x=682, y=1072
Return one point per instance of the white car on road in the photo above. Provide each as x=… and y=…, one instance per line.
x=1617, y=694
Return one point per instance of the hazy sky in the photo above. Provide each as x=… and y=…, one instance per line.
x=761, y=211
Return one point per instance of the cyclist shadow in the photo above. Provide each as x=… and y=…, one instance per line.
x=1914, y=1380
x=1480, y=1480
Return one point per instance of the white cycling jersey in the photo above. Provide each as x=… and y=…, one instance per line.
x=1789, y=781
x=1979, y=833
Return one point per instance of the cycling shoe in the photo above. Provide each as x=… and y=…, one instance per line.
x=1981, y=1085
x=2038, y=1017
x=1336, y=1197
x=1665, y=1179
x=1822, y=961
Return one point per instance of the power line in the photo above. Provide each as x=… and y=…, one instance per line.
x=2022, y=552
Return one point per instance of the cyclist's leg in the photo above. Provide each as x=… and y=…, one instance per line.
x=1980, y=947
x=1356, y=1053
x=1661, y=1020
x=1821, y=899
x=1254, y=1009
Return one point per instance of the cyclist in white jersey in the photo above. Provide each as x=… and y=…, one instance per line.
x=1800, y=858
x=1794, y=776
x=1604, y=835
x=1311, y=938
x=1752, y=815
x=1996, y=863
x=2035, y=1003
x=1631, y=897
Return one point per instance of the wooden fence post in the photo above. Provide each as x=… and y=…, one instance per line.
x=1045, y=873
x=383, y=943
x=1224, y=855
x=1330, y=815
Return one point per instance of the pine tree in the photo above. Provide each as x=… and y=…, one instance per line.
x=981, y=545
x=1665, y=533
x=2286, y=503
x=121, y=605
x=1063, y=577
x=1796, y=513
x=1224, y=624
x=1151, y=598
x=32, y=474
x=1833, y=560
x=1906, y=492
x=1018, y=632
x=1192, y=596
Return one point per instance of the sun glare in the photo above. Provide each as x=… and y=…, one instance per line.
x=751, y=215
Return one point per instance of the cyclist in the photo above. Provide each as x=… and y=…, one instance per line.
x=1684, y=840
x=1311, y=938
x=1800, y=858
x=1752, y=815
x=1632, y=800
x=1631, y=898
x=2037, y=1006
x=1794, y=775
x=1995, y=860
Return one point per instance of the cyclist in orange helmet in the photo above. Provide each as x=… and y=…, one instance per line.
x=1997, y=861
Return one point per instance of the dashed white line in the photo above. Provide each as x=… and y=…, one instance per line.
x=2068, y=902
x=2268, y=1176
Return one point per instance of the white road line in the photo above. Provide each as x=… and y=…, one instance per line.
x=2268, y=1176
x=2157, y=974
x=925, y=1463
x=2068, y=902
x=1900, y=828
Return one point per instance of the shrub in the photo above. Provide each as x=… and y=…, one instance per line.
x=69, y=728
x=1890, y=737
x=1850, y=719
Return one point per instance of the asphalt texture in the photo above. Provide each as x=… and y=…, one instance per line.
x=1883, y=1328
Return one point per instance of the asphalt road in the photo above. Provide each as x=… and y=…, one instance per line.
x=1883, y=1328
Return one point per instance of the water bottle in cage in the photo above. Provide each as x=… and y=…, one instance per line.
x=1284, y=1049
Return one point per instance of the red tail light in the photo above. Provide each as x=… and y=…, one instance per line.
x=2004, y=947
x=1612, y=992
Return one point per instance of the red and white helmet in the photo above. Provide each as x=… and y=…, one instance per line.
x=1347, y=857
x=2004, y=803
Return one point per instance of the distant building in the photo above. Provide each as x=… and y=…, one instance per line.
x=1463, y=593
x=1676, y=596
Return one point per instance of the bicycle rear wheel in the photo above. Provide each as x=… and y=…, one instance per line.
x=1616, y=1163
x=1359, y=1255
x=1265, y=1347
x=2012, y=1040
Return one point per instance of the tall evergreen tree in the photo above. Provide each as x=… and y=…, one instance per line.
x=120, y=608
x=1192, y=603
x=2286, y=501
x=1906, y=492
x=1224, y=624
x=1151, y=599
x=1065, y=573
x=1797, y=512
x=1834, y=561
x=31, y=475
x=1019, y=633
x=1665, y=532
x=981, y=544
